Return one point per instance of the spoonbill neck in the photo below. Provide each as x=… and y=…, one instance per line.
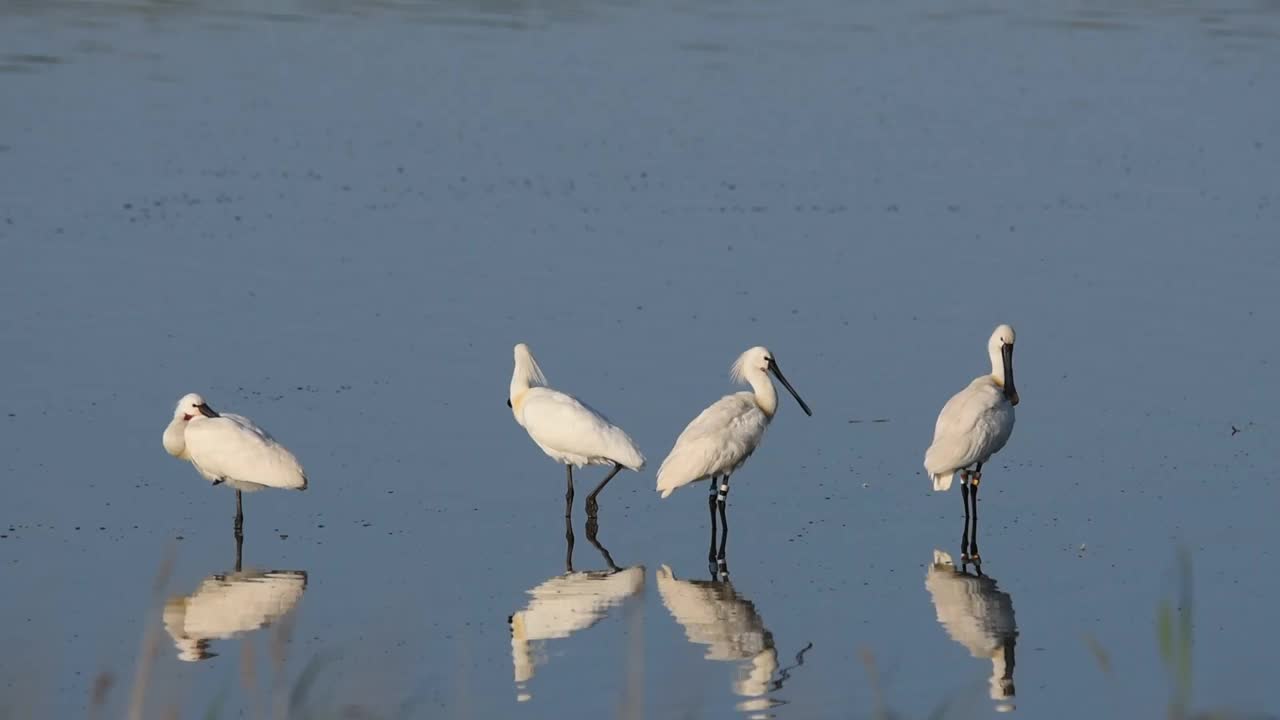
x=525, y=375
x=766, y=394
x=997, y=364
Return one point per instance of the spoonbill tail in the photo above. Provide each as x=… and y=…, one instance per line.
x=567, y=429
x=974, y=424
x=724, y=435
x=230, y=448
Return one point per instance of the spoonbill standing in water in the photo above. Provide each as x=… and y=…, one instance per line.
x=567, y=429
x=974, y=424
x=230, y=448
x=724, y=435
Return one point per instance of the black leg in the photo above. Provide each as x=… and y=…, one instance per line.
x=973, y=529
x=568, y=544
x=568, y=493
x=592, y=506
x=711, y=507
x=722, y=500
x=239, y=550
x=964, y=534
x=593, y=527
x=239, y=516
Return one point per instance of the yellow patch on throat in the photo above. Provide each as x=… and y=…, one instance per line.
x=999, y=381
x=518, y=401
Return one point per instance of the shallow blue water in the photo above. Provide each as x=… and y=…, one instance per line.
x=338, y=218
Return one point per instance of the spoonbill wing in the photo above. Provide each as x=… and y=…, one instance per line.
x=232, y=447
x=564, y=424
x=975, y=423
x=718, y=440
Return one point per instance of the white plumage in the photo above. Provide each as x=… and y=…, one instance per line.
x=722, y=437
x=562, y=606
x=572, y=433
x=977, y=421
x=230, y=448
x=565, y=428
x=225, y=606
x=979, y=616
x=715, y=615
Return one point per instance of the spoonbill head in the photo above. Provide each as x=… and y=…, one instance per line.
x=974, y=425
x=231, y=449
x=1000, y=349
x=721, y=438
x=567, y=429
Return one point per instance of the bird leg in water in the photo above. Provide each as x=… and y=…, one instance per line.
x=593, y=527
x=592, y=506
x=568, y=544
x=964, y=534
x=568, y=493
x=721, y=501
x=711, y=507
x=973, y=530
x=239, y=516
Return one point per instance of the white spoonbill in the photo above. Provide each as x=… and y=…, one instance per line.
x=230, y=448
x=979, y=616
x=228, y=605
x=713, y=614
x=567, y=429
x=974, y=424
x=724, y=435
x=566, y=604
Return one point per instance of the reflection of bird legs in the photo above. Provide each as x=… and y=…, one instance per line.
x=592, y=506
x=568, y=543
x=239, y=550
x=969, y=482
x=593, y=527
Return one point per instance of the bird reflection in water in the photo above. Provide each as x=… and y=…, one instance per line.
x=566, y=604
x=713, y=614
x=227, y=605
x=979, y=616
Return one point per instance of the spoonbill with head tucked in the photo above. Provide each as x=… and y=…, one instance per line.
x=566, y=429
x=974, y=424
x=724, y=435
x=230, y=448
x=229, y=605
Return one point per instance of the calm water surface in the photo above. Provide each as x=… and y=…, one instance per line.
x=337, y=218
